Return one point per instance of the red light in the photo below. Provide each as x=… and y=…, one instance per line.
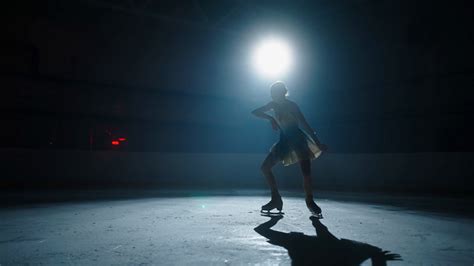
x=115, y=142
x=122, y=139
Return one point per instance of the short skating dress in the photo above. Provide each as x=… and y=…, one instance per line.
x=294, y=144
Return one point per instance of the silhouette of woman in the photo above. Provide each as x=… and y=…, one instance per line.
x=295, y=145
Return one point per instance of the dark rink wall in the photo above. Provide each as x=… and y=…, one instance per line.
x=447, y=173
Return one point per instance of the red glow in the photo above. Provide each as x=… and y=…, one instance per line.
x=122, y=139
x=115, y=142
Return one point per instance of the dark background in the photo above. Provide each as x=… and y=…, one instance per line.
x=372, y=76
x=388, y=85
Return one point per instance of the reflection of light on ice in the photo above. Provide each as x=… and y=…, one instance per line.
x=178, y=231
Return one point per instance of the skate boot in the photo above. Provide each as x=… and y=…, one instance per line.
x=275, y=203
x=314, y=208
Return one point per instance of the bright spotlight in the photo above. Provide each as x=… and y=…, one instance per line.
x=272, y=58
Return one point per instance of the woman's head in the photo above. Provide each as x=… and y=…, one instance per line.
x=278, y=91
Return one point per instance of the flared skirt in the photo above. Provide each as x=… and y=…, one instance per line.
x=295, y=145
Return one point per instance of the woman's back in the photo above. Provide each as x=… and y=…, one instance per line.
x=285, y=113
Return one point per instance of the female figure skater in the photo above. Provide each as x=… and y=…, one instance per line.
x=295, y=145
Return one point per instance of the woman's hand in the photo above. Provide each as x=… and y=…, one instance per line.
x=323, y=147
x=275, y=125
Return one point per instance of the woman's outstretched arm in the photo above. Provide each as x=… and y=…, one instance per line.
x=260, y=112
x=307, y=127
x=302, y=120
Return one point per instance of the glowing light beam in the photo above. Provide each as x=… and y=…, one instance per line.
x=272, y=58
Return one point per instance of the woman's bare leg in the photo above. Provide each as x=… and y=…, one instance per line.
x=308, y=188
x=307, y=184
x=266, y=168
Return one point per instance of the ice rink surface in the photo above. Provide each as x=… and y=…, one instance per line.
x=206, y=229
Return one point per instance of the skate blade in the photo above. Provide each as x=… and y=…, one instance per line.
x=317, y=215
x=270, y=213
